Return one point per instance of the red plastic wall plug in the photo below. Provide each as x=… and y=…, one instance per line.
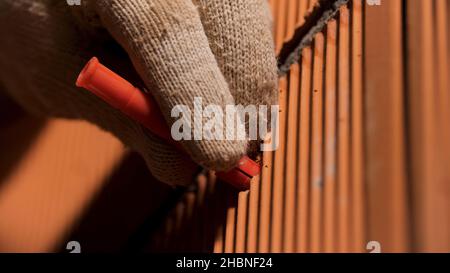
x=141, y=107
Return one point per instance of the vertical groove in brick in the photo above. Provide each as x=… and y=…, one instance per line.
x=278, y=174
x=291, y=160
x=329, y=223
x=253, y=212
x=265, y=203
x=343, y=148
x=230, y=226
x=302, y=8
x=280, y=24
x=443, y=98
x=316, y=181
x=303, y=174
x=241, y=222
x=291, y=18
x=357, y=123
x=421, y=118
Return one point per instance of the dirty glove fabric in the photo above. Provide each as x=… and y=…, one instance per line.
x=218, y=50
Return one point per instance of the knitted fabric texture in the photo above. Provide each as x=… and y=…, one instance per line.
x=221, y=51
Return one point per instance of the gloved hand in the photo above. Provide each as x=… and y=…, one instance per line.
x=219, y=50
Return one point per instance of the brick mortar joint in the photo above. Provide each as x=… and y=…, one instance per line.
x=315, y=22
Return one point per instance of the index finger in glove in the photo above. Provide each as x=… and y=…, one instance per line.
x=240, y=36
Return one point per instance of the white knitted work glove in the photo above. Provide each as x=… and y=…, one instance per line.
x=219, y=50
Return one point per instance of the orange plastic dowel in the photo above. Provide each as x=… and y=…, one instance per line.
x=121, y=94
